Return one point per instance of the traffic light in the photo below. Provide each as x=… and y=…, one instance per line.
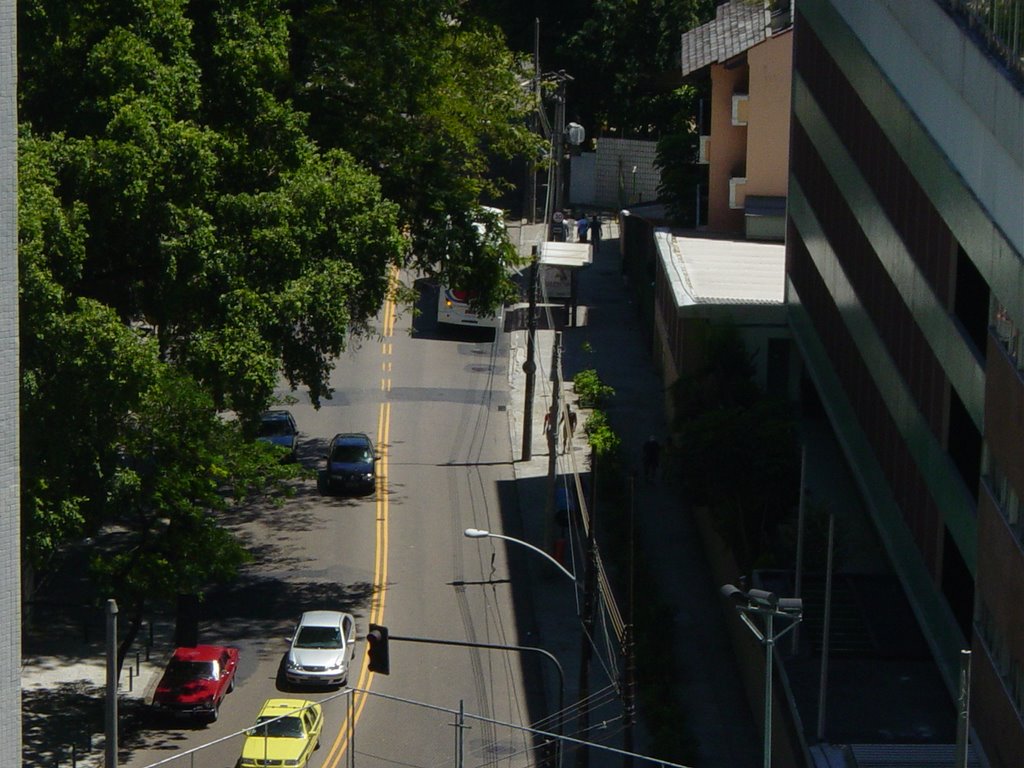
x=377, y=649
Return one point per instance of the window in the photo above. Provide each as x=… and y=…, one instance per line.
x=1005, y=496
x=1008, y=334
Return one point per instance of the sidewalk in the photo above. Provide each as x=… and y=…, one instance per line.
x=609, y=339
x=63, y=682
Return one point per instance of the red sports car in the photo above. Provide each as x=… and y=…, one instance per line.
x=196, y=681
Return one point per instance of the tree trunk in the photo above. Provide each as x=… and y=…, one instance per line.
x=134, y=624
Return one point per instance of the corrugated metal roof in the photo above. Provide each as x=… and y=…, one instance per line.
x=738, y=25
x=720, y=271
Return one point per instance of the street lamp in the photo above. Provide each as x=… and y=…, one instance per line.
x=476, y=533
x=769, y=606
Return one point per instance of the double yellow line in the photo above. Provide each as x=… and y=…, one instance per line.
x=380, y=564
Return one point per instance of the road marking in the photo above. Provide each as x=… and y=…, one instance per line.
x=380, y=563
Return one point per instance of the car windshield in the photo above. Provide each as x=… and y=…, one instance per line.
x=285, y=727
x=274, y=427
x=192, y=670
x=351, y=454
x=318, y=637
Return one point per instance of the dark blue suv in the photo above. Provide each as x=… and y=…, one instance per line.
x=352, y=463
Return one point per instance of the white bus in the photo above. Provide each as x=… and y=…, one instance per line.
x=453, y=305
x=453, y=309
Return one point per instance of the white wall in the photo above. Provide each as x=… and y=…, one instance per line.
x=10, y=514
x=621, y=173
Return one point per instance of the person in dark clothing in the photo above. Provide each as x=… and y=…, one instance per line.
x=581, y=228
x=651, y=457
x=595, y=230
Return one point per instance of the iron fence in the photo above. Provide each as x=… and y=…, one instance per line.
x=999, y=24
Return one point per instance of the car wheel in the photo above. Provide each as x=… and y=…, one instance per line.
x=231, y=685
x=214, y=714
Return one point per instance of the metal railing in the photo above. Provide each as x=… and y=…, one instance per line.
x=999, y=24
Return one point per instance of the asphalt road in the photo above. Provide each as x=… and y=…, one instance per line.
x=434, y=402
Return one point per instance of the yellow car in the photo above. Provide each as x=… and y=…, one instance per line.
x=286, y=733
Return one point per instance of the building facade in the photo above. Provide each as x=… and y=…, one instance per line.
x=747, y=54
x=10, y=515
x=905, y=284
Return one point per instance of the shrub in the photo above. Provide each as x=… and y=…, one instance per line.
x=590, y=390
x=600, y=435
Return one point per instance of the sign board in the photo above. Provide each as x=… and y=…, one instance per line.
x=557, y=260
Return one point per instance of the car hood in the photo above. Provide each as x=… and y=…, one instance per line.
x=317, y=657
x=274, y=749
x=191, y=692
x=357, y=467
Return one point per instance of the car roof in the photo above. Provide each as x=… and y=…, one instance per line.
x=199, y=652
x=277, y=707
x=321, y=618
x=275, y=415
x=351, y=438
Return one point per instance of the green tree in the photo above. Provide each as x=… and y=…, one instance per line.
x=426, y=95
x=211, y=214
x=624, y=57
x=180, y=464
x=187, y=235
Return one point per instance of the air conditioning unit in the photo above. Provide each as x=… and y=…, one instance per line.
x=737, y=192
x=703, y=149
x=740, y=102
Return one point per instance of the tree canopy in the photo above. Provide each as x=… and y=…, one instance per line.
x=211, y=197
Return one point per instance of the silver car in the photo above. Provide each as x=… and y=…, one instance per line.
x=321, y=649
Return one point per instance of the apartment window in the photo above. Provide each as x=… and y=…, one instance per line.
x=1008, y=668
x=964, y=444
x=970, y=301
x=1009, y=334
x=1005, y=496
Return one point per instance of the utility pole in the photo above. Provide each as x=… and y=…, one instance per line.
x=589, y=585
x=558, y=142
x=553, y=414
x=530, y=366
x=629, y=644
x=531, y=187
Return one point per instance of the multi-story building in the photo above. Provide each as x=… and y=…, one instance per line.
x=10, y=516
x=746, y=52
x=905, y=282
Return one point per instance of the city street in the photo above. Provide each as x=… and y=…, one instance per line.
x=433, y=402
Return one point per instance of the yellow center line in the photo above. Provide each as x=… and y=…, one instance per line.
x=380, y=565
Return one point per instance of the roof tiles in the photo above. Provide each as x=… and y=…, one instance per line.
x=738, y=26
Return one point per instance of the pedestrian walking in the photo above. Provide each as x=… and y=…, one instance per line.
x=581, y=228
x=651, y=457
x=595, y=230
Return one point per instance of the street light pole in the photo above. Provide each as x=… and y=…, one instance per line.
x=475, y=533
x=768, y=606
x=110, y=742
